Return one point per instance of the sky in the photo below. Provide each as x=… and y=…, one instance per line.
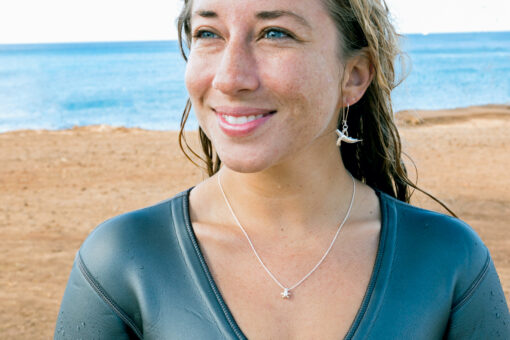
x=36, y=21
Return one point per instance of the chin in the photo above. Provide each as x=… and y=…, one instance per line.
x=244, y=165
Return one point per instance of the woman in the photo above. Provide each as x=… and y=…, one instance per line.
x=290, y=238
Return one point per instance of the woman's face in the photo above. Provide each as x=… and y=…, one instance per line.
x=264, y=78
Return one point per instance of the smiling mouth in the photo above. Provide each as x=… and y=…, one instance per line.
x=239, y=120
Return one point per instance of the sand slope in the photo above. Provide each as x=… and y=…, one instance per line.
x=56, y=186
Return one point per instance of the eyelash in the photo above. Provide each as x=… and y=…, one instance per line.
x=286, y=34
x=200, y=34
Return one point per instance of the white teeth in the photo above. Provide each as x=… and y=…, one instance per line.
x=240, y=120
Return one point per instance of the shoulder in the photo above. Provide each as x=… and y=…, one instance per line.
x=136, y=228
x=122, y=251
x=447, y=244
x=433, y=226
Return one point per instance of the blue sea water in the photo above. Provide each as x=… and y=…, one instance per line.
x=455, y=70
x=140, y=84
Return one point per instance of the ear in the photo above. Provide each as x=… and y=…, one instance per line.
x=358, y=75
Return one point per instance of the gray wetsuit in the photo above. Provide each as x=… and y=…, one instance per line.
x=142, y=275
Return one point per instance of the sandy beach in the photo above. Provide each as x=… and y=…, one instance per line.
x=57, y=186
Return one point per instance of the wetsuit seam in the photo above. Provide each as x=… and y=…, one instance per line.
x=226, y=313
x=178, y=225
x=373, y=281
x=409, y=207
x=472, y=288
x=105, y=297
x=386, y=205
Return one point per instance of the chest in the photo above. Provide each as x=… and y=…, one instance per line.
x=323, y=306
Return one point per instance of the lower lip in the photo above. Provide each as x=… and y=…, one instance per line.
x=241, y=130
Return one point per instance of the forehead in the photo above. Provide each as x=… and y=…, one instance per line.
x=225, y=9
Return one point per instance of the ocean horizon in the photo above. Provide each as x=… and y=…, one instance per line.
x=141, y=84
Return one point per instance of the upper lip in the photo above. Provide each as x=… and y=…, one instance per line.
x=241, y=111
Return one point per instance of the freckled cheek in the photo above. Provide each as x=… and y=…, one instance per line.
x=299, y=82
x=308, y=90
x=198, y=78
x=284, y=78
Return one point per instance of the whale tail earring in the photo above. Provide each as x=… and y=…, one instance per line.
x=343, y=136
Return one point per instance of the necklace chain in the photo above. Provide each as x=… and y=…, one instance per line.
x=286, y=290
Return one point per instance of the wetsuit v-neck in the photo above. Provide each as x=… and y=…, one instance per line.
x=143, y=275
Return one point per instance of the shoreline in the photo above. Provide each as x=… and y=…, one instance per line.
x=402, y=118
x=418, y=117
x=56, y=186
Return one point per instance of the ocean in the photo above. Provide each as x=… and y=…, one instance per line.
x=140, y=84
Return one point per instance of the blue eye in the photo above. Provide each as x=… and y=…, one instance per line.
x=275, y=34
x=205, y=35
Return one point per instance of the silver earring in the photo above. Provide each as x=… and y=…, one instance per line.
x=343, y=136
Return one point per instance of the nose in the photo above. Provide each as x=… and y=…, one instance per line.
x=237, y=71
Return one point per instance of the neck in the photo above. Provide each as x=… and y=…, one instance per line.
x=310, y=191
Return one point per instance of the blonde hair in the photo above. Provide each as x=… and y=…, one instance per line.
x=364, y=26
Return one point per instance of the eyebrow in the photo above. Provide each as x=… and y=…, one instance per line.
x=264, y=15
x=206, y=14
x=267, y=15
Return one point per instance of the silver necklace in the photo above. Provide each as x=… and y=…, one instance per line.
x=286, y=293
